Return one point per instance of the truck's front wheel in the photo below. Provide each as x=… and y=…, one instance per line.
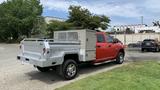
x=69, y=69
x=120, y=58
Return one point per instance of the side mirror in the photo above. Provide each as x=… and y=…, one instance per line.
x=115, y=40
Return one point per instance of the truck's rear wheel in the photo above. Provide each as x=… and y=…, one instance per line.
x=43, y=69
x=69, y=69
x=120, y=58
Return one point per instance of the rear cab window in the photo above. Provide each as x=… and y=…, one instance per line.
x=100, y=38
x=148, y=40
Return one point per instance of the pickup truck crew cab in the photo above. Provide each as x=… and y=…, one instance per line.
x=70, y=48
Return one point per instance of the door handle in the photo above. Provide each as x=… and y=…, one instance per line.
x=109, y=45
x=98, y=46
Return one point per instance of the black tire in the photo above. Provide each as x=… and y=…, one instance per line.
x=43, y=69
x=157, y=49
x=120, y=58
x=142, y=49
x=68, y=70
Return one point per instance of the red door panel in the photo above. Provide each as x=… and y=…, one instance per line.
x=101, y=47
x=111, y=50
x=100, y=50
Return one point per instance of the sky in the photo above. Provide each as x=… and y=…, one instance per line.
x=121, y=12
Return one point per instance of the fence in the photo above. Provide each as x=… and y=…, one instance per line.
x=134, y=38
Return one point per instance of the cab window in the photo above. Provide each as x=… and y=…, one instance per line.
x=100, y=38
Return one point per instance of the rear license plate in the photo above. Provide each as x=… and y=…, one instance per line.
x=148, y=44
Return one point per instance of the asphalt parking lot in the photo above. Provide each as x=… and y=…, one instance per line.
x=15, y=76
x=135, y=54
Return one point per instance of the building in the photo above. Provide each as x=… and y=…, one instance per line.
x=48, y=19
x=148, y=29
x=122, y=28
x=137, y=28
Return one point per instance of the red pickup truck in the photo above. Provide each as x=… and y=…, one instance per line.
x=108, y=48
x=70, y=48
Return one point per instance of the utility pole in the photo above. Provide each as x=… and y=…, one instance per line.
x=115, y=32
x=124, y=33
x=125, y=37
x=142, y=20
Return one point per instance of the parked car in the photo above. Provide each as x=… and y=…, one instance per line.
x=70, y=48
x=135, y=45
x=150, y=45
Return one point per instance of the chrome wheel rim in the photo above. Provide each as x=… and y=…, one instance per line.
x=71, y=70
x=121, y=57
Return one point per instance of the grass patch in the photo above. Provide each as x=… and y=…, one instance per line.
x=135, y=76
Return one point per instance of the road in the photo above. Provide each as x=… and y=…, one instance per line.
x=16, y=76
x=137, y=55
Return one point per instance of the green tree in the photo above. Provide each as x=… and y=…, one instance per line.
x=57, y=25
x=19, y=17
x=39, y=28
x=83, y=18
